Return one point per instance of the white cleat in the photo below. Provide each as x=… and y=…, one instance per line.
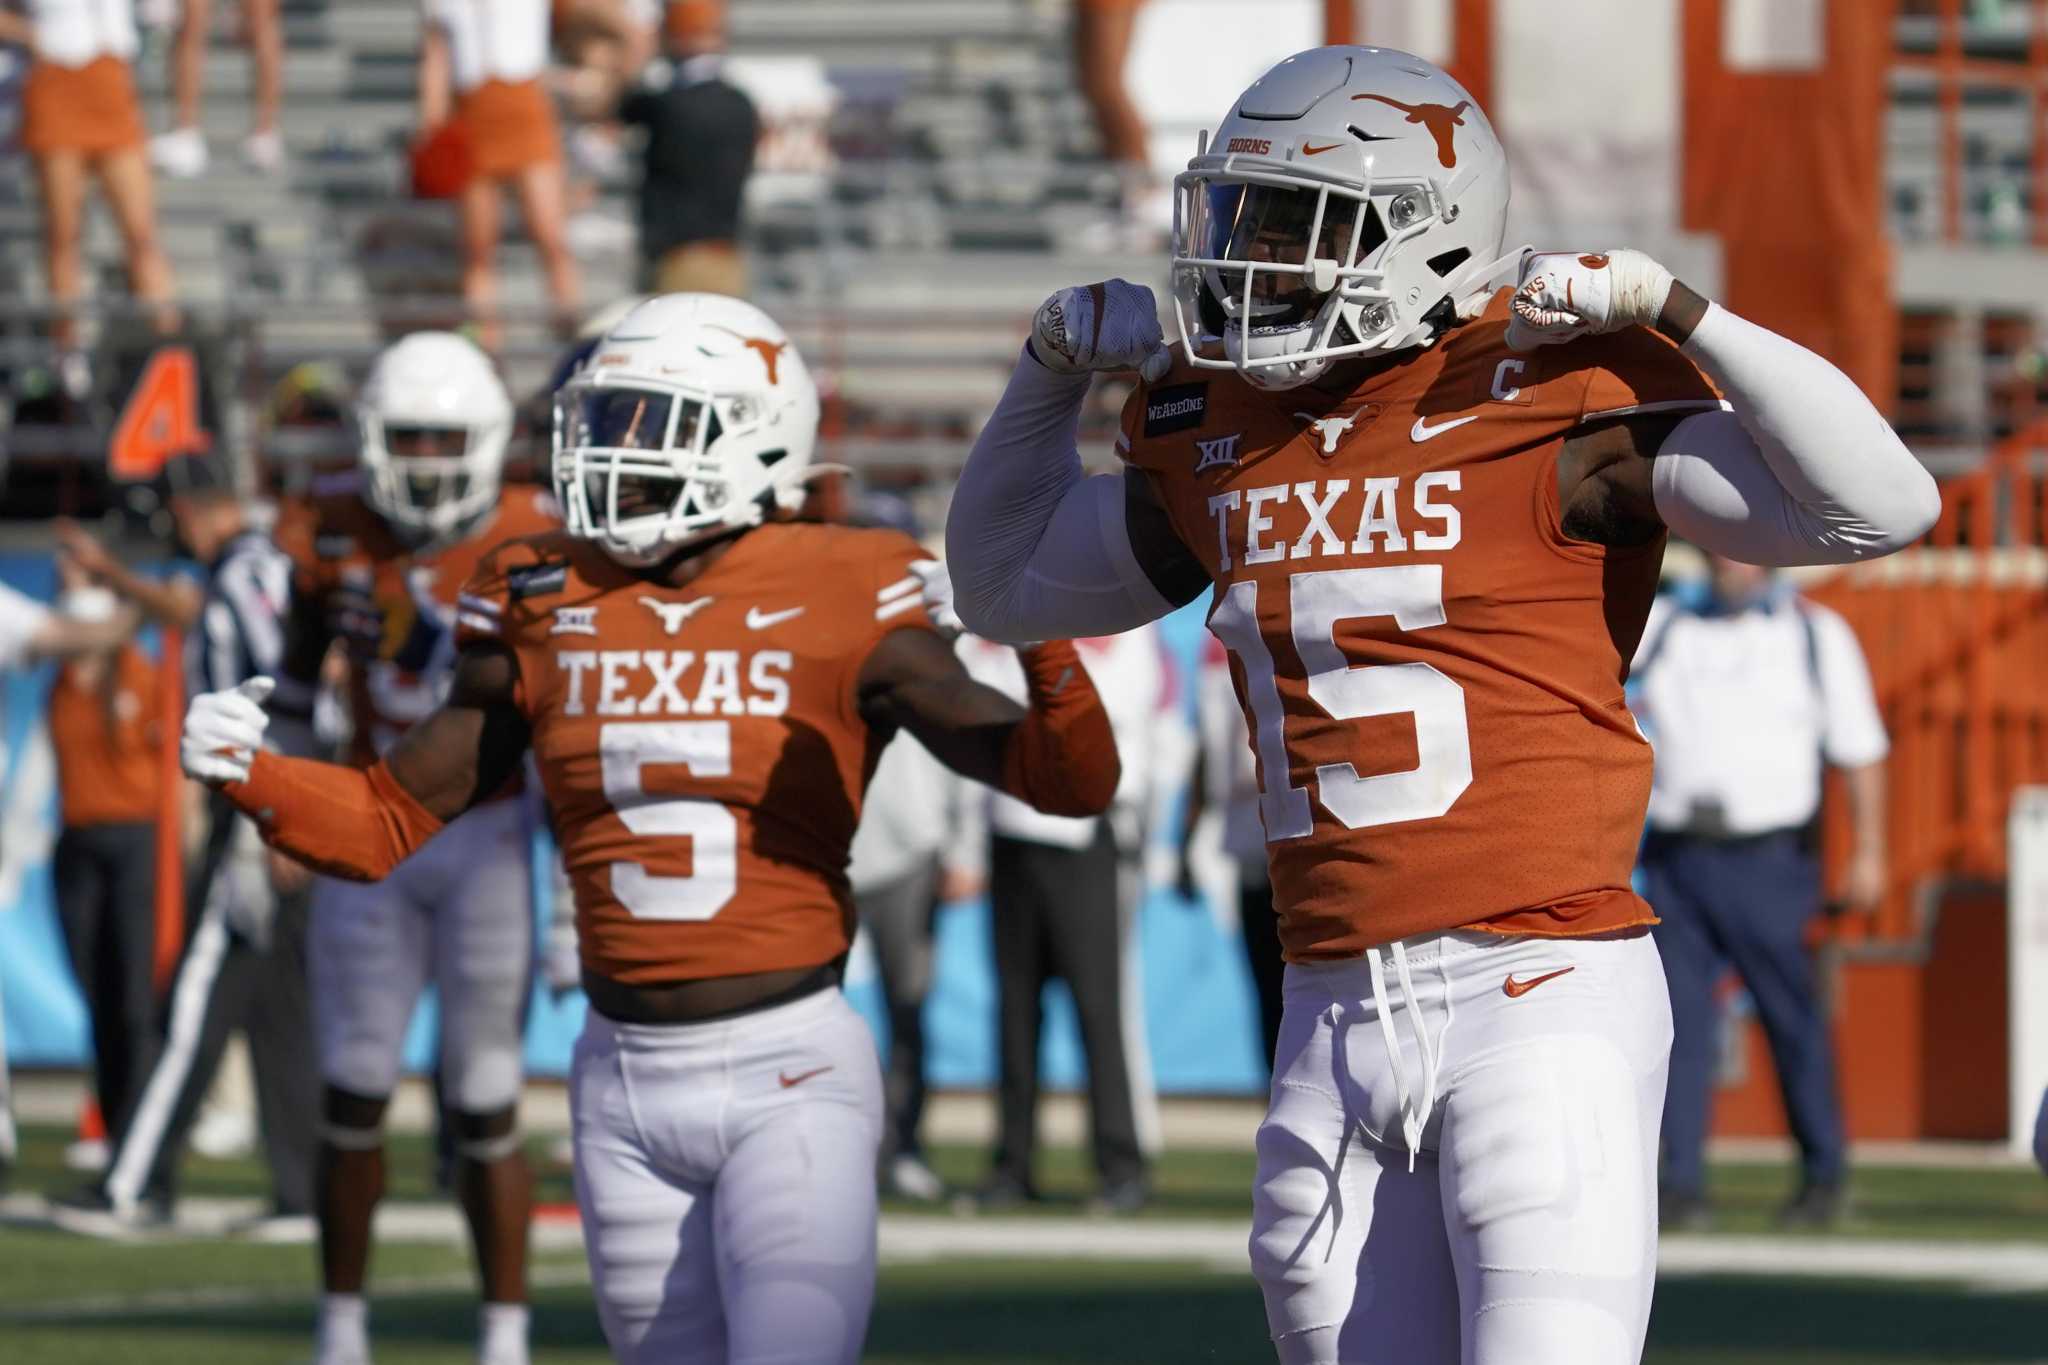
x=264, y=152
x=180, y=153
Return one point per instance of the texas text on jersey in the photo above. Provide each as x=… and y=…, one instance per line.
x=392, y=606
x=701, y=747
x=1431, y=670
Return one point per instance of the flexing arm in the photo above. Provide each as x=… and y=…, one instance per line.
x=1804, y=470
x=1058, y=756
x=357, y=823
x=1039, y=550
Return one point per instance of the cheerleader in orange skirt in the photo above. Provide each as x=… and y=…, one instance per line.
x=481, y=65
x=80, y=120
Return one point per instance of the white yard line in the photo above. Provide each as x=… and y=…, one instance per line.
x=1215, y=1244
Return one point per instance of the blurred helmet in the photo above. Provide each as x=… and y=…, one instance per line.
x=435, y=420
x=1352, y=201
x=696, y=415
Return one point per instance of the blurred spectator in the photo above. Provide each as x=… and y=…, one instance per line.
x=30, y=631
x=106, y=728
x=1064, y=895
x=481, y=63
x=1226, y=781
x=80, y=117
x=181, y=152
x=244, y=961
x=701, y=135
x=1103, y=30
x=1746, y=698
x=901, y=874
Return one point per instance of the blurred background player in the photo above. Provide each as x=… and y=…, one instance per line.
x=1063, y=900
x=80, y=119
x=1748, y=697
x=726, y=1101
x=244, y=961
x=378, y=556
x=907, y=860
x=106, y=732
x=481, y=63
x=181, y=151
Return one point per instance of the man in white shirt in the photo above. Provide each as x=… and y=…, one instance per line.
x=1064, y=896
x=1746, y=699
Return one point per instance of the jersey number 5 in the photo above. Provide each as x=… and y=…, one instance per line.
x=704, y=747
x=1413, y=594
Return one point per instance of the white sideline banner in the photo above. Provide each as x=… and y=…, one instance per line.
x=2026, y=955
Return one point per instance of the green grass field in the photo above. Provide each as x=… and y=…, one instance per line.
x=216, y=1302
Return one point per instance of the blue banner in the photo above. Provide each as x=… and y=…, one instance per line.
x=1199, y=1015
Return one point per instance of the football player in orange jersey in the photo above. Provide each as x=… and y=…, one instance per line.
x=379, y=555
x=1429, y=516
x=706, y=687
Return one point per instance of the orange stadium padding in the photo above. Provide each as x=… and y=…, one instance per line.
x=1786, y=167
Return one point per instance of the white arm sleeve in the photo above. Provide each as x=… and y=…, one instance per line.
x=1803, y=471
x=1037, y=549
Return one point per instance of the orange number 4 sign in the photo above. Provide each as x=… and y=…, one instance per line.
x=161, y=419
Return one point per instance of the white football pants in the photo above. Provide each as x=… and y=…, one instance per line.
x=458, y=913
x=1451, y=1174
x=726, y=1176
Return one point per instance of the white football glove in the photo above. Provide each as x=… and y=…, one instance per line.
x=223, y=731
x=1109, y=326
x=1566, y=294
x=938, y=598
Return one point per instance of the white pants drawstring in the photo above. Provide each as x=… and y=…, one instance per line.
x=1414, y=1117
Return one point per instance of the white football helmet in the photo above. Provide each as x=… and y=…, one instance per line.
x=694, y=415
x=1353, y=199
x=435, y=420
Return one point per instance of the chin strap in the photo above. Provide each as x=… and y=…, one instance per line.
x=1477, y=284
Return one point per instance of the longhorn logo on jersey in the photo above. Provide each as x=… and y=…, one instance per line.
x=673, y=614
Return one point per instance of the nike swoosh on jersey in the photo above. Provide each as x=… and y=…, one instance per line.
x=1310, y=149
x=1516, y=989
x=761, y=620
x=802, y=1076
x=1423, y=431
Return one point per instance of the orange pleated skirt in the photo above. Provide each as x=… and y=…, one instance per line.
x=90, y=109
x=511, y=125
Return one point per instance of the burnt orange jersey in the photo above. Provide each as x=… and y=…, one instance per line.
x=702, y=747
x=393, y=607
x=1431, y=671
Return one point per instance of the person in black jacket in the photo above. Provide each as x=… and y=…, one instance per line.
x=701, y=131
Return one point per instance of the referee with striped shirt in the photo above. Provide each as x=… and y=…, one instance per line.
x=244, y=961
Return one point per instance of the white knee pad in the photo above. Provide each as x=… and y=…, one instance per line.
x=489, y=1149
x=485, y=1077
x=344, y=1138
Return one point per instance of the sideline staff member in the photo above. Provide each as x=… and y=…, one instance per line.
x=1745, y=698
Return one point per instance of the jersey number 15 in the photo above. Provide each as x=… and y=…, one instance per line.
x=1413, y=594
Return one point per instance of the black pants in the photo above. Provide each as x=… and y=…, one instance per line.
x=227, y=980
x=898, y=915
x=105, y=879
x=1058, y=914
x=1744, y=903
x=1261, y=928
